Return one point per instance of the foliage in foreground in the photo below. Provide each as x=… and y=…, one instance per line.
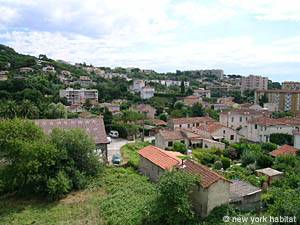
x=34, y=163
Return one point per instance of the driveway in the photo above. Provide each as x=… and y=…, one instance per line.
x=114, y=147
x=116, y=143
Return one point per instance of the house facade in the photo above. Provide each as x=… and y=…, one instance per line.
x=147, y=92
x=188, y=122
x=212, y=191
x=79, y=96
x=260, y=129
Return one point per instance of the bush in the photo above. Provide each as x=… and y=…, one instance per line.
x=282, y=139
x=59, y=186
x=179, y=147
x=218, y=165
x=225, y=162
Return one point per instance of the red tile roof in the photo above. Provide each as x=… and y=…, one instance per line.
x=164, y=159
x=208, y=176
x=281, y=121
x=171, y=135
x=285, y=149
x=94, y=127
x=190, y=120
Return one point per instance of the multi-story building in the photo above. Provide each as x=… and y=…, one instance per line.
x=147, y=92
x=138, y=85
x=214, y=72
x=283, y=100
x=253, y=82
x=188, y=122
x=79, y=96
x=260, y=129
x=290, y=85
x=239, y=118
x=201, y=92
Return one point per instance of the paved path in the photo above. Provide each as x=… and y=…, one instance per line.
x=115, y=146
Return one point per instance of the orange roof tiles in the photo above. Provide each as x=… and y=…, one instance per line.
x=283, y=150
x=164, y=159
x=208, y=176
x=190, y=120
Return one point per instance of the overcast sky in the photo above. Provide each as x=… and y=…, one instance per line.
x=240, y=36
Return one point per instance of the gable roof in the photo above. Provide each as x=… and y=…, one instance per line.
x=164, y=159
x=284, y=149
x=94, y=127
x=171, y=135
x=239, y=189
x=145, y=108
x=208, y=176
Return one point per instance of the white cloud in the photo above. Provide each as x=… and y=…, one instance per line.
x=8, y=14
x=202, y=14
x=271, y=10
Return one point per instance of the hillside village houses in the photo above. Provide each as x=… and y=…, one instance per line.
x=79, y=96
x=3, y=75
x=49, y=69
x=290, y=85
x=201, y=92
x=26, y=70
x=146, y=109
x=213, y=189
x=191, y=100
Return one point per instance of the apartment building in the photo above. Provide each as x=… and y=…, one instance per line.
x=290, y=85
x=283, y=100
x=79, y=96
x=253, y=82
x=188, y=122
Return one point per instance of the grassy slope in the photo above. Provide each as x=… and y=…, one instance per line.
x=120, y=197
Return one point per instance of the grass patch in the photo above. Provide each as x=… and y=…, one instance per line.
x=129, y=198
x=130, y=152
x=119, y=196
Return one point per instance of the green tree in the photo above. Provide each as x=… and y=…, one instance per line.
x=198, y=110
x=173, y=204
x=56, y=111
x=179, y=147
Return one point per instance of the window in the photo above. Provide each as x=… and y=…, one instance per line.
x=224, y=131
x=255, y=126
x=232, y=137
x=232, y=119
x=170, y=143
x=241, y=119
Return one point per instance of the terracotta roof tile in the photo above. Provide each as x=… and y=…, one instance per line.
x=190, y=120
x=285, y=149
x=208, y=176
x=164, y=159
x=171, y=135
x=94, y=127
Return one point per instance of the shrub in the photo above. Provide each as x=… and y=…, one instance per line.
x=179, y=147
x=218, y=165
x=281, y=139
x=58, y=186
x=225, y=162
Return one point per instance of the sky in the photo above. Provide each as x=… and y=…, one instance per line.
x=239, y=36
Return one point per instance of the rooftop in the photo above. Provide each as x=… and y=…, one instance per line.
x=208, y=176
x=190, y=120
x=94, y=127
x=269, y=172
x=164, y=159
x=239, y=189
x=283, y=150
x=171, y=135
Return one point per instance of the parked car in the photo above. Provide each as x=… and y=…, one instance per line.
x=109, y=139
x=116, y=159
x=114, y=134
